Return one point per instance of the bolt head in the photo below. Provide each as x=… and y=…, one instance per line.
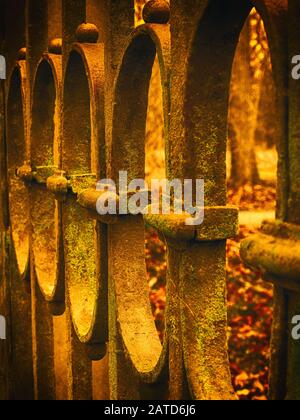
x=58, y=183
x=25, y=172
x=55, y=46
x=156, y=11
x=87, y=33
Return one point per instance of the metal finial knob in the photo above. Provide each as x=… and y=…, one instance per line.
x=22, y=53
x=87, y=33
x=55, y=46
x=156, y=11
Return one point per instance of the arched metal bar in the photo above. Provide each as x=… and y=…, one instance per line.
x=83, y=160
x=126, y=239
x=16, y=154
x=45, y=159
x=202, y=270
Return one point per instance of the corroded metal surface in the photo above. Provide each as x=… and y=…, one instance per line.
x=17, y=150
x=76, y=108
x=82, y=154
x=276, y=248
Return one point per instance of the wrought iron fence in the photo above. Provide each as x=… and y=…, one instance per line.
x=73, y=284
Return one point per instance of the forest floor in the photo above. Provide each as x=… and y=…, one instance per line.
x=249, y=298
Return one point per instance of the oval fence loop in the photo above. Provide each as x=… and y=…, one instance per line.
x=17, y=147
x=127, y=238
x=45, y=160
x=84, y=240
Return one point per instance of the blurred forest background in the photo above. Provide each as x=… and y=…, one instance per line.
x=252, y=167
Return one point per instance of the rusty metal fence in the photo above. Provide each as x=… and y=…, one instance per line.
x=73, y=285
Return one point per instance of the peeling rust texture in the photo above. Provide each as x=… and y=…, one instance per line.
x=73, y=111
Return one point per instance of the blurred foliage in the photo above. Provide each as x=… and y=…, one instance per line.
x=139, y=4
x=261, y=66
x=155, y=138
x=156, y=263
x=250, y=318
x=257, y=197
x=260, y=58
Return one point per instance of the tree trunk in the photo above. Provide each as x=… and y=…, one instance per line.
x=266, y=131
x=243, y=114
